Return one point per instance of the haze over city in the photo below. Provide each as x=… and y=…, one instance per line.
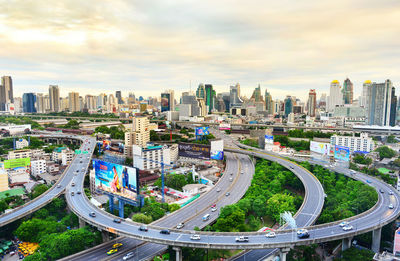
x=146, y=47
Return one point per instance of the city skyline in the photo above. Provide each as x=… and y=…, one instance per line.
x=287, y=49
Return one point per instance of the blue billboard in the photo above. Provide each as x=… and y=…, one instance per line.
x=116, y=179
x=342, y=153
x=269, y=139
x=202, y=131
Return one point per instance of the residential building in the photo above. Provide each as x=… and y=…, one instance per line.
x=6, y=92
x=21, y=143
x=54, y=97
x=74, y=104
x=151, y=157
x=40, y=103
x=140, y=135
x=335, y=96
x=312, y=103
x=194, y=104
x=18, y=175
x=29, y=102
x=3, y=180
x=19, y=154
x=347, y=91
x=378, y=104
x=362, y=143
x=393, y=108
x=90, y=102
x=118, y=96
x=268, y=102
x=63, y=155
x=38, y=167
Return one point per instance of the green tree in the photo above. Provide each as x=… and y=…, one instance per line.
x=391, y=139
x=278, y=204
x=385, y=152
x=39, y=190
x=173, y=207
x=142, y=218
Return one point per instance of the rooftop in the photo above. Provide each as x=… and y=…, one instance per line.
x=12, y=192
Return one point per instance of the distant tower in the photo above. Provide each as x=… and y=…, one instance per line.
x=312, y=102
x=6, y=92
x=54, y=96
x=347, y=92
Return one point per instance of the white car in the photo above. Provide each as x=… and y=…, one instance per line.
x=218, y=189
x=270, y=234
x=390, y=192
x=302, y=231
x=195, y=237
x=391, y=206
x=344, y=223
x=128, y=256
x=348, y=227
x=242, y=239
x=180, y=225
x=213, y=209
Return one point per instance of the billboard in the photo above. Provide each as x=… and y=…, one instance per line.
x=269, y=139
x=16, y=163
x=342, y=153
x=106, y=144
x=165, y=102
x=217, y=149
x=224, y=126
x=115, y=178
x=190, y=150
x=320, y=147
x=202, y=131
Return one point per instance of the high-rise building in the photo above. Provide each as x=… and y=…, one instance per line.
x=201, y=91
x=288, y=103
x=210, y=97
x=40, y=103
x=194, y=104
x=378, y=105
x=347, y=91
x=54, y=96
x=46, y=103
x=236, y=101
x=364, y=96
x=256, y=96
x=74, y=104
x=118, y=96
x=28, y=102
x=335, y=96
x=322, y=102
x=101, y=101
x=393, y=108
x=6, y=92
x=226, y=97
x=312, y=103
x=90, y=102
x=168, y=101
x=139, y=135
x=268, y=102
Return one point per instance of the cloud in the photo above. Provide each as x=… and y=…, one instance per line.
x=148, y=46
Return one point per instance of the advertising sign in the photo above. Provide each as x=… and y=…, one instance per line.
x=217, y=149
x=198, y=151
x=319, y=147
x=106, y=144
x=342, y=153
x=116, y=179
x=165, y=99
x=16, y=163
x=224, y=126
x=202, y=131
x=269, y=140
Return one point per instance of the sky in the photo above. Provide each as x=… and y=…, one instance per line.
x=149, y=46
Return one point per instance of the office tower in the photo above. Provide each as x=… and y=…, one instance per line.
x=118, y=96
x=378, y=105
x=139, y=135
x=6, y=92
x=322, y=102
x=40, y=103
x=131, y=98
x=335, y=96
x=364, y=96
x=101, y=101
x=226, y=97
x=312, y=102
x=288, y=103
x=268, y=102
x=256, y=96
x=46, y=100
x=54, y=96
x=28, y=102
x=347, y=91
x=201, y=91
x=168, y=101
x=74, y=104
x=275, y=107
x=220, y=104
x=393, y=109
x=210, y=97
x=194, y=104
x=235, y=100
x=90, y=102
x=64, y=104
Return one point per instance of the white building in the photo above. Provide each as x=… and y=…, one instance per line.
x=19, y=154
x=3, y=180
x=21, y=143
x=139, y=135
x=335, y=95
x=150, y=157
x=16, y=129
x=362, y=143
x=63, y=155
x=38, y=167
x=18, y=175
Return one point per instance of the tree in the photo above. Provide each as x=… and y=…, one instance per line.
x=391, y=139
x=385, y=152
x=278, y=204
x=230, y=219
x=361, y=159
x=39, y=190
x=173, y=207
x=32, y=230
x=142, y=218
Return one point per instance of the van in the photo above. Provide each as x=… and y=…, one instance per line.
x=206, y=217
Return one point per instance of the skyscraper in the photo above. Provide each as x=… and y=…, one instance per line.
x=210, y=97
x=335, y=96
x=288, y=103
x=54, y=96
x=119, y=97
x=235, y=100
x=256, y=96
x=268, y=102
x=40, y=103
x=6, y=92
x=364, y=96
x=393, y=108
x=312, y=103
x=347, y=91
x=168, y=100
x=28, y=102
x=378, y=105
x=74, y=104
x=201, y=91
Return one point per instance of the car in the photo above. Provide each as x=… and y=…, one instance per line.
x=270, y=234
x=112, y=251
x=92, y=214
x=303, y=235
x=81, y=161
x=390, y=192
x=117, y=245
x=381, y=191
x=368, y=181
x=59, y=186
x=143, y=228
x=73, y=184
x=291, y=167
x=230, y=179
x=213, y=209
x=343, y=224
x=218, y=189
x=72, y=193
x=12, y=253
x=348, y=227
x=213, y=205
x=391, y=206
x=128, y=255
x=180, y=225
x=165, y=232
x=242, y=239
x=301, y=231
x=241, y=172
x=231, y=173
x=195, y=237
x=117, y=220
x=227, y=193
x=78, y=192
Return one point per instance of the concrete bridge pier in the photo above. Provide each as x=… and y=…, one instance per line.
x=346, y=243
x=283, y=252
x=82, y=223
x=376, y=240
x=178, y=253
x=105, y=235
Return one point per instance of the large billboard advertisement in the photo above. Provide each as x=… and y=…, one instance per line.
x=190, y=150
x=202, y=131
x=319, y=147
x=269, y=139
x=116, y=179
x=224, y=126
x=16, y=163
x=342, y=153
x=165, y=100
x=217, y=149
